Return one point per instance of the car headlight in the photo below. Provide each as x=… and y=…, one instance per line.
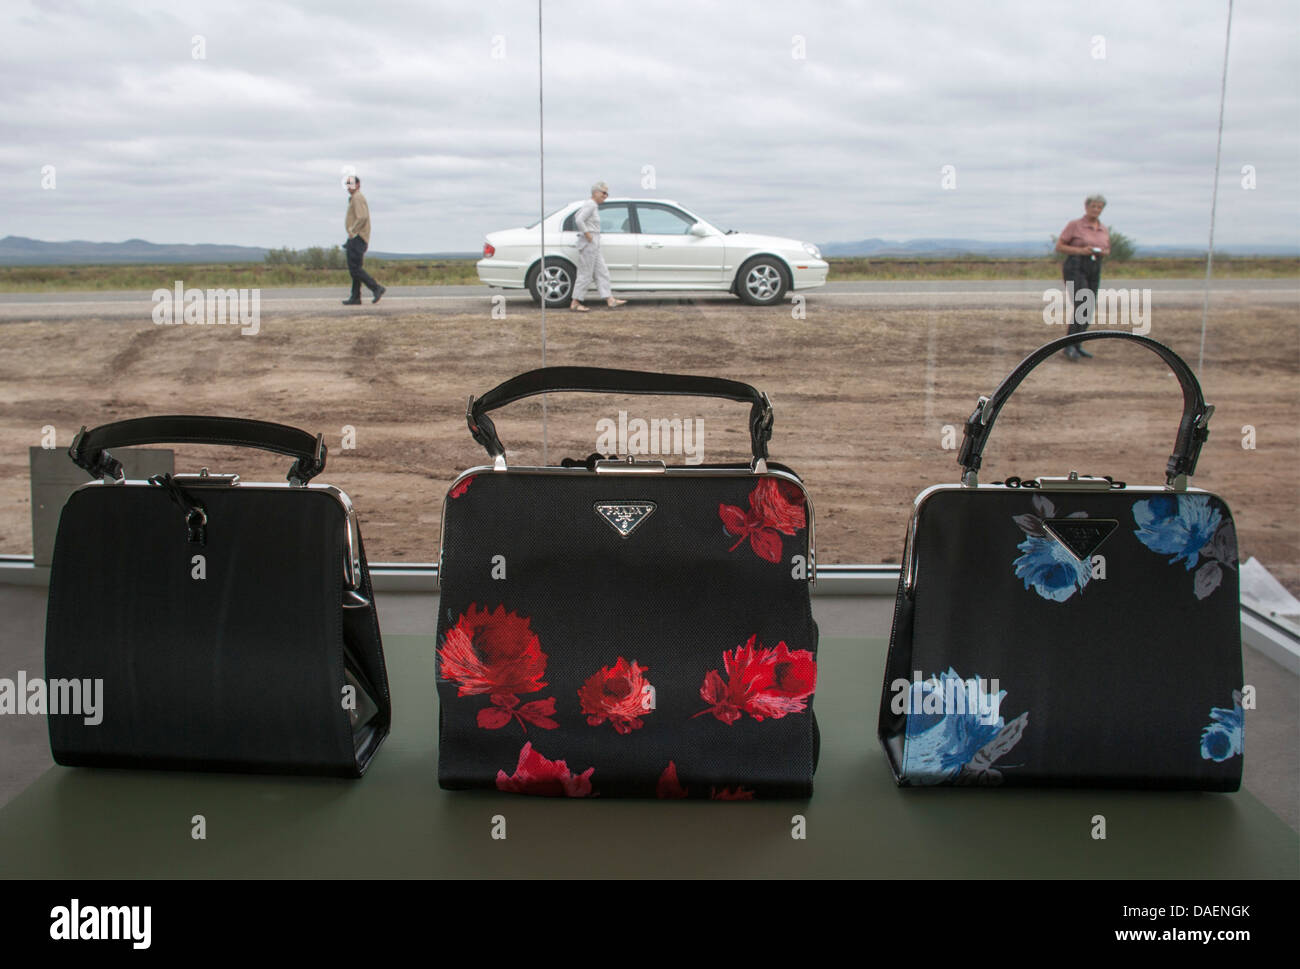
x=812, y=250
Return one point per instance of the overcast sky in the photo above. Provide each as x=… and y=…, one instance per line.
x=247, y=144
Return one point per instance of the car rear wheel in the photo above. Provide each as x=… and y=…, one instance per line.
x=557, y=285
x=762, y=281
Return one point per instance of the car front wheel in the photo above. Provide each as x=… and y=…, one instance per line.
x=762, y=281
x=557, y=284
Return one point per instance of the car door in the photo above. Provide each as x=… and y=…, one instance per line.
x=617, y=240
x=669, y=256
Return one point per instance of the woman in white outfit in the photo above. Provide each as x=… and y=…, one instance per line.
x=591, y=264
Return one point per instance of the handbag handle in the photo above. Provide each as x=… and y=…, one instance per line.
x=599, y=380
x=89, y=449
x=1193, y=428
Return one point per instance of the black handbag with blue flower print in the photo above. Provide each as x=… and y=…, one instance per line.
x=1068, y=631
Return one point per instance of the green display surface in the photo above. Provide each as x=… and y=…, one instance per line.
x=395, y=822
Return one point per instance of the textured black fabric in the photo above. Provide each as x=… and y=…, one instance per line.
x=1118, y=679
x=674, y=596
x=242, y=670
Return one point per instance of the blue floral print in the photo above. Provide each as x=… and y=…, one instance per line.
x=1176, y=525
x=956, y=742
x=1192, y=531
x=1224, y=736
x=1045, y=564
x=1050, y=568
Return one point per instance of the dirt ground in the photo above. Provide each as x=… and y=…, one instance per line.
x=861, y=398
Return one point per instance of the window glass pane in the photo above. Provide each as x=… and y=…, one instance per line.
x=234, y=138
x=615, y=217
x=657, y=220
x=935, y=181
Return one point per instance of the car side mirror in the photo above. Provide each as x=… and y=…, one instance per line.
x=699, y=229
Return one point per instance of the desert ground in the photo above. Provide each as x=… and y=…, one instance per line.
x=862, y=397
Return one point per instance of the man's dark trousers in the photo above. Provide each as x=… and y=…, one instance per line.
x=356, y=250
x=1084, y=272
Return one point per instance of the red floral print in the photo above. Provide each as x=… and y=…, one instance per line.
x=619, y=694
x=493, y=652
x=669, y=787
x=536, y=775
x=776, y=508
x=794, y=677
x=727, y=794
x=506, y=708
x=760, y=681
x=779, y=504
x=499, y=654
x=746, y=675
x=461, y=487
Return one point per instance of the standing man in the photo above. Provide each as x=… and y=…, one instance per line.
x=591, y=264
x=1085, y=242
x=357, y=224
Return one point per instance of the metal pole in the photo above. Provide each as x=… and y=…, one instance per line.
x=541, y=193
x=1214, y=197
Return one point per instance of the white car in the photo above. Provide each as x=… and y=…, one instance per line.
x=651, y=244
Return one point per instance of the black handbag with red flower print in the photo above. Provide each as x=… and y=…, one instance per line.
x=622, y=628
x=1070, y=630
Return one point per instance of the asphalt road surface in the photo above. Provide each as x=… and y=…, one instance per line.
x=947, y=294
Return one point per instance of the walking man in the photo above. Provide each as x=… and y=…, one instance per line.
x=357, y=224
x=591, y=264
x=1085, y=242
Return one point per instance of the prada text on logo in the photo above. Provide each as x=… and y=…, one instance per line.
x=77, y=698
x=656, y=436
x=240, y=308
x=1122, y=307
x=102, y=923
x=625, y=516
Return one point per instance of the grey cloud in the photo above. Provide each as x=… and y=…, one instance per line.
x=247, y=146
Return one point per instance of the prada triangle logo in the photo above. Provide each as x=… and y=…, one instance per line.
x=1082, y=536
x=624, y=516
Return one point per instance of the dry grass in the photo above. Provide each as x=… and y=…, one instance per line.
x=862, y=398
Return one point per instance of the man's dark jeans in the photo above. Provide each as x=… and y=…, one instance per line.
x=356, y=250
x=1085, y=273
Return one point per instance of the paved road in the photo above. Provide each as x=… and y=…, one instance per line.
x=955, y=294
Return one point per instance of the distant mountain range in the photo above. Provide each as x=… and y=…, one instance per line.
x=21, y=251
x=947, y=248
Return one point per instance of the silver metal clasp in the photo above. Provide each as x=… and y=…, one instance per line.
x=1073, y=482
x=203, y=479
x=630, y=466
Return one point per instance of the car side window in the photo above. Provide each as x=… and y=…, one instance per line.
x=615, y=217
x=661, y=220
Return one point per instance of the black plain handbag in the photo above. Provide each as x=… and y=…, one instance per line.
x=623, y=628
x=227, y=625
x=1069, y=630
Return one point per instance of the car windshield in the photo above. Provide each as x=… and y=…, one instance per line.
x=534, y=225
